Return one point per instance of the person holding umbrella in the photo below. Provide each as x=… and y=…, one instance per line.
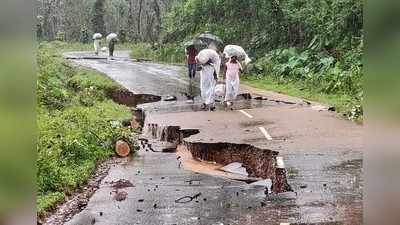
x=213, y=42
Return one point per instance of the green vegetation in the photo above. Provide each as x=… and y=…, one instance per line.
x=315, y=76
x=312, y=46
x=77, y=125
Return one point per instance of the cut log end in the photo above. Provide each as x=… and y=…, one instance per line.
x=122, y=148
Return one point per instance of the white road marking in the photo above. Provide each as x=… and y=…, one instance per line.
x=284, y=223
x=264, y=131
x=246, y=114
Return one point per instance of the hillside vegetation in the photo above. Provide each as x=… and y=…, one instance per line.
x=77, y=125
x=313, y=46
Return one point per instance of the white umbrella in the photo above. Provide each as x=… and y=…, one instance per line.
x=97, y=36
x=111, y=36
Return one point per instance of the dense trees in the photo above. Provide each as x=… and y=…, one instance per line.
x=71, y=20
x=317, y=44
x=270, y=24
x=98, y=24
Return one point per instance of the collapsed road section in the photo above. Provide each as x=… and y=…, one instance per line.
x=259, y=163
x=316, y=145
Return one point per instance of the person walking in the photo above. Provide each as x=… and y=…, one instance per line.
x=207, y=85
x=191, y=53
x=96, y=43
x=111, y=46
x=232, y=81
x=96, y=46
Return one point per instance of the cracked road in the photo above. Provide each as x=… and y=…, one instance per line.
x=322, y=153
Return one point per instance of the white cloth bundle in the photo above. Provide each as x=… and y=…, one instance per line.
x=97, y=36
x=209, y=54
x=238, y=51
x=219, y=90
x=111, y=36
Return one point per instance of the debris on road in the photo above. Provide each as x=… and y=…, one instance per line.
x=169, y=98
x=235, y=168
x=121, y=184
x=120, y=196
x=187, y=198
x=263, y=183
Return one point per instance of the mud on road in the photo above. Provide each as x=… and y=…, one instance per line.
x=322, y=153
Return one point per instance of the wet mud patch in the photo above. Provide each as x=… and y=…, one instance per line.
x=120, y=196
x=121, y=184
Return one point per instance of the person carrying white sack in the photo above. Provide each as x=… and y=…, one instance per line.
x=208, y=76
x=207, y=85
x=96, y=42
x=232, y=81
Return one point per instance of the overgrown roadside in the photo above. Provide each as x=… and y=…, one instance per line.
x=78, y=125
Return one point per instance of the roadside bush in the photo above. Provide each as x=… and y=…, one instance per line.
x=142, y=50
x=170, y=53
x=317, y=72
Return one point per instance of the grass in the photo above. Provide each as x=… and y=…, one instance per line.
x=78, y=125
x=297, y=89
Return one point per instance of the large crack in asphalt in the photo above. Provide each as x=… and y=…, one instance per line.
x=259, y=163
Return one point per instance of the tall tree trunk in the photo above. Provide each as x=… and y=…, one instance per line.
x=139, y=18
x=131, y=20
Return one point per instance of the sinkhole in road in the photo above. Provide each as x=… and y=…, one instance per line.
x=259, y=163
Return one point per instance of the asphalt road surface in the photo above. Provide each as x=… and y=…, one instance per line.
x=322, y=153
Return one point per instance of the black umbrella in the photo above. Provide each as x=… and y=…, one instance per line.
x=197, y=43
x=209, y=38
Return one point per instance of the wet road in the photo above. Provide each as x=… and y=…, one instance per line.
x=140, y=77
x=323, y=155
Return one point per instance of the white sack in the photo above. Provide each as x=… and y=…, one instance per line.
x=111, y=36
x=238, y=51
x=209, y=54
x=97, y=36
x=220, y=90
